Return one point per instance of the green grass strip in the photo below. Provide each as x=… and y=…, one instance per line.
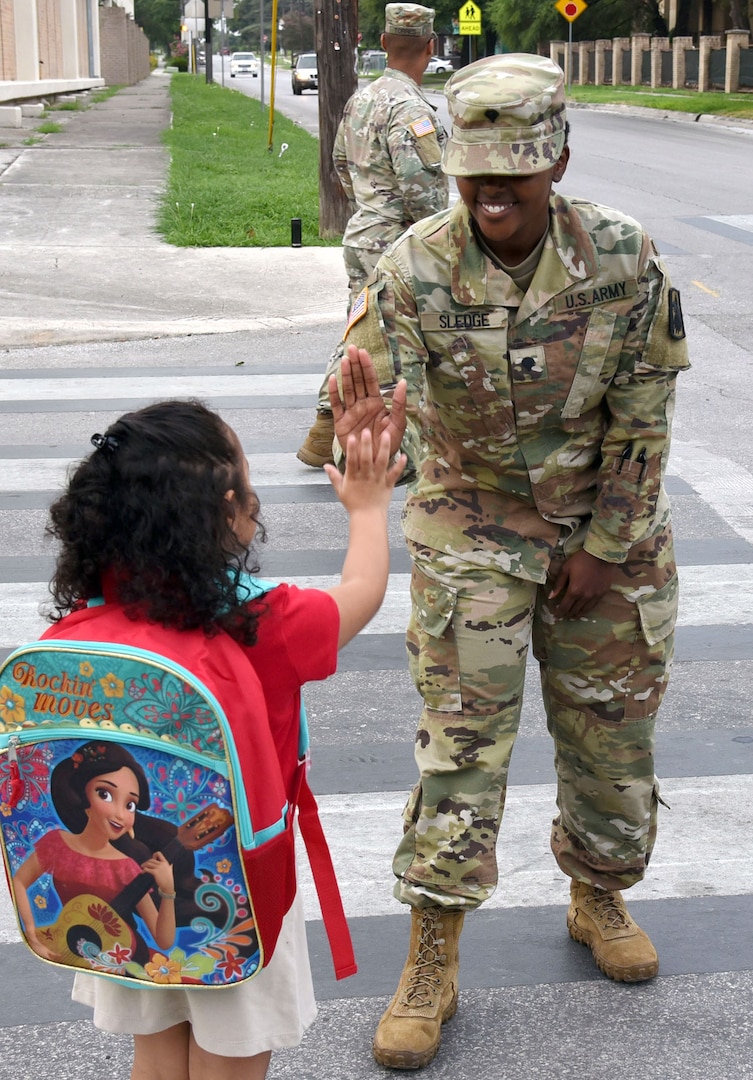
x=710, y=104
x=225, y=187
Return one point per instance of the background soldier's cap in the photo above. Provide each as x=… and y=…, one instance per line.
x=409, y=19
x=508, y=116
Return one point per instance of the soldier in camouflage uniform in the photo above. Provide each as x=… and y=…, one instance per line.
x=538, y=339
x=387, y=154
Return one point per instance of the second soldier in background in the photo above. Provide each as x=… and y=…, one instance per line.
x=387, y=153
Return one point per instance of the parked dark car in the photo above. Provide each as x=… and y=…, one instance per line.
x=305, y=74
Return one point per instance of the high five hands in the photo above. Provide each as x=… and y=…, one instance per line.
x=362, y=405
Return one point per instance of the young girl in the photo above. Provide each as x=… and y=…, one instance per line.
x=160, y=520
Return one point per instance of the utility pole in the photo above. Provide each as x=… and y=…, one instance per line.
x=336, y=42
x=207, y=43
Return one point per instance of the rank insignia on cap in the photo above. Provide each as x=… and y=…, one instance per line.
x=424, y=126
x=357, y=311
x=676, y=325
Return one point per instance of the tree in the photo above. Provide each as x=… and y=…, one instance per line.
x=529, y=25
x=160, y=21
x=297, y=33
x=371, y=18
x=521, y=25
x=336, y=41
x=245, y=23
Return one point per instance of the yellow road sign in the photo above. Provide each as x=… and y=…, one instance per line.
x=469, y=18
x=571, y=9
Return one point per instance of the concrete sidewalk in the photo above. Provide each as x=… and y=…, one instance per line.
x=80, y=259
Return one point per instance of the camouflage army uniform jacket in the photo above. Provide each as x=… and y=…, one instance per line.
x=387, y=154
x=536, y=421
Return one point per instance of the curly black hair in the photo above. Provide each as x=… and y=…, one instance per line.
x=148, y=508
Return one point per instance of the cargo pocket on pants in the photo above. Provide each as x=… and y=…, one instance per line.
x=431, y=645
x=658, y=612
x=653, y=650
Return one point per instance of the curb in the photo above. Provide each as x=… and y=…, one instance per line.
x=731, y=123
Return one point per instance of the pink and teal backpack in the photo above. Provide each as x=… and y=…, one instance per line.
x=184, y=716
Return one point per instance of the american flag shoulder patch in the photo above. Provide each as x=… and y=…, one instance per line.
x=424, y=126
x=358, y=310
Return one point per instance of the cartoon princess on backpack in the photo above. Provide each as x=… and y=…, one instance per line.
x=96, y=793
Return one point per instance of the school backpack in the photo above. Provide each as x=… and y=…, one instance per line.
x=120, y=739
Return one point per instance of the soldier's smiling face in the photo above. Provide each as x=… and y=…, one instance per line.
x=512, y=212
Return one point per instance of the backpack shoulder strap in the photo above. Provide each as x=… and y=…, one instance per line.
x=325, y=880
x=317, y=849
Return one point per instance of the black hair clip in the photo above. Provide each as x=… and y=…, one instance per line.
x=105, y=442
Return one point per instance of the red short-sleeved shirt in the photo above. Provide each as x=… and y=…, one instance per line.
x=296, y=643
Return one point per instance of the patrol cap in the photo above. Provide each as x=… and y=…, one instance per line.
x=508, y=116
x=410, y=19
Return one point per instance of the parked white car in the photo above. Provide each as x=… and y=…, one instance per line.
x=243, y=63
x=439, y=65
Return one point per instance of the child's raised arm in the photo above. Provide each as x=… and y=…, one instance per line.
x=364, y=489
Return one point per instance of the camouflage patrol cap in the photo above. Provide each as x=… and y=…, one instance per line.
x=410, y=19
x=508, y=116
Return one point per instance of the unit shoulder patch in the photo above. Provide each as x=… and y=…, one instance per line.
x=676, y=324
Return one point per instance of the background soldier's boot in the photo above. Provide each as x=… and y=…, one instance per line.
x=409, y=1032
x=317, y=448
x=600, y=920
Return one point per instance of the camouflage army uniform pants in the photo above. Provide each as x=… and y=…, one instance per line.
x=602, y=677
x=359, y=264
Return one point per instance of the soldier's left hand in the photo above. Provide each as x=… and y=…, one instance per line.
x=362, y=404
x=582, y=581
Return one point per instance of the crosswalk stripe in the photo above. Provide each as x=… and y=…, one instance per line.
x=49, y=474
x=726, y=486
x=363, y=831
x=710, y=596
x=150, y=388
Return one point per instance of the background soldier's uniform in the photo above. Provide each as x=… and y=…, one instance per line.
x=388, y=157
x=538, y=424
x=387, y=154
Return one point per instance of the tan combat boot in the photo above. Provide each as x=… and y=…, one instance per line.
x=317, y=448
x=600, y=920
x=409, y=1033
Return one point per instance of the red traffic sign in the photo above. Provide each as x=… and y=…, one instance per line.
x=571, y=9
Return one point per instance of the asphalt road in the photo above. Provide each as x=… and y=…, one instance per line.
x=533, y=1007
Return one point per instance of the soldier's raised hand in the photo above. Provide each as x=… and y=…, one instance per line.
x=361, y=404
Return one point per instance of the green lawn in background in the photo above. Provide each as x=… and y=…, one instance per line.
x=690, y=101
x=225, y=188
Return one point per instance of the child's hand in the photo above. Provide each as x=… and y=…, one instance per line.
x=369, y=477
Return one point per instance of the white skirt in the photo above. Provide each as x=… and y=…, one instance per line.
x=269, y=1012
